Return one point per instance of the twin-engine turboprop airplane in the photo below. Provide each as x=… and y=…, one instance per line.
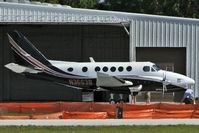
x=117, y=77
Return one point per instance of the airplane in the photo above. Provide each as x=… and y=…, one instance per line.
x=116, y=77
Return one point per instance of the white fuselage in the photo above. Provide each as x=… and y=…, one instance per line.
x=125, y=70
x=136, y=68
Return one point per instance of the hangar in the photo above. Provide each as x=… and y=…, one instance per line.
x=65, y=33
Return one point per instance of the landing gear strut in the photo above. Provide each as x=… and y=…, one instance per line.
x=133, y=97
x=112, y=98
x=112, y=101
x=121, y=100
x=134, y=92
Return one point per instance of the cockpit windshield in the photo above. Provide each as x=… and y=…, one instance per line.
x=156, y=67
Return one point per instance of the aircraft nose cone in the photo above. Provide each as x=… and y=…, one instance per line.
x=191, y=81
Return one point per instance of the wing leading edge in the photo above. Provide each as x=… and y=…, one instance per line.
x=105, y=80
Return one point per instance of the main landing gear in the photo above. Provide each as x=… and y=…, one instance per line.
x=113, y=101
x=134, y=92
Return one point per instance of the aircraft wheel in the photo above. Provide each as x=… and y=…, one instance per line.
x=112, y=101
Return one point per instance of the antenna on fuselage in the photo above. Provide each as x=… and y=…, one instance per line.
x=91, y=59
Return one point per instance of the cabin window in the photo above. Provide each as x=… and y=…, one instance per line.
x=120, y=69
x=70, y=69
x=84, y=69
x=146, y=68
x=105, y=69
x=156, y=67
x=152, y=69
x=113, y=69
x=129, y=68
x=97, y=69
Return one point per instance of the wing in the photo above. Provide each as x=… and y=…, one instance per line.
x=150, y=78
x=105, y=80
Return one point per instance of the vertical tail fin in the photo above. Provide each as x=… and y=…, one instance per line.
x=31, y=55
x=23, y=47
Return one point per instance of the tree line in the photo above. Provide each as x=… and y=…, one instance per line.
x=180, y=8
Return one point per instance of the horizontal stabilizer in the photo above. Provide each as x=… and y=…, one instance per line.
x=20, y=69
x=105, y=80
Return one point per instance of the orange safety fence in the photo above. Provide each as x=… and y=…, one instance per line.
x=170, y=106
x=48, y=107
x=58, y=115
x=132, y=107
x=40, y=108
x=160, y=114
x=10, y=107
x=138, y=114
x=76, y=106
x=112, y=115
x=85, y=115
x=91, y=110
x=104, y=107
x=14, y=117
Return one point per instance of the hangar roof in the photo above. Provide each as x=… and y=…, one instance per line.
x=36, y=12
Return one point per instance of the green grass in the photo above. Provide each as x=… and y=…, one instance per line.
x=101, y=129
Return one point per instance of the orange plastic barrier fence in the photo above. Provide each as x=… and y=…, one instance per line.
x=132, y=107
x=49, y=107
x=10, y=107
x=76, y=106
x=172, y=114
x=58, y=115
x=104, y=107
x=142, y=114
x=112, y=115
x=85, y=115
x=40, y=108
x=14, y=117
x=91, y=110
x=167, y=106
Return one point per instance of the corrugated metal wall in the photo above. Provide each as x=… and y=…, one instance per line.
x=164, y=32
x=1, y=65
x=105, y=43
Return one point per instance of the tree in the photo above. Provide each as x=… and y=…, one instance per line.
x=181, y=8
x=88, y=3
x=49, y=1
x=74, y=3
